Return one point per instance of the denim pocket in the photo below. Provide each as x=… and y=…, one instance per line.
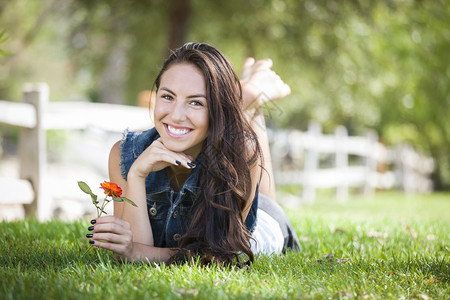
x=157, y=210
x=185, y=215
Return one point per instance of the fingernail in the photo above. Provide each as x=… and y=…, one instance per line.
x=192, y=165
x=91, y=228
x=89, y=235
x=178, y=162
x=91, y=242
x=93, y=221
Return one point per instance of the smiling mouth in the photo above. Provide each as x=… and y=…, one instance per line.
x=176, y=132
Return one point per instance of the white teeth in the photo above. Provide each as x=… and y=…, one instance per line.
x=177, y=131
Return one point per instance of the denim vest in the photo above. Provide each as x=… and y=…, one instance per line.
x=169, y=213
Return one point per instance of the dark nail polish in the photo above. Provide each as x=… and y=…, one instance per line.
x=89, y=235
x=93, y=221
x=178, y=162
x=91, y=242
x=91, y=228
x=192, y=165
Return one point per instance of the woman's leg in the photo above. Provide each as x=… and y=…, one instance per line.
x=267, y=191
x=267, y=182
x=277, y=213
x=260, y=84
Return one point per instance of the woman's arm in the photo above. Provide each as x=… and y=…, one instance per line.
x=128, y=233
x=116, y=176
x=134, y=189
x=156, y=157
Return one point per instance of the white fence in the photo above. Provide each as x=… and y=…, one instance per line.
x=35, y=115
x=350, y=161
x=297, y=156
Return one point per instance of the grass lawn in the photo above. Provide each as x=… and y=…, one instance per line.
x=389, y=246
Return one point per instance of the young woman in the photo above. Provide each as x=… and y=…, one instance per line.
x=201, y=178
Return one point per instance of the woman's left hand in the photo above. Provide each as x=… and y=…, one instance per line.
x=113, y=234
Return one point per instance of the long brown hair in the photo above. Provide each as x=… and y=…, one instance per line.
x=217, y=232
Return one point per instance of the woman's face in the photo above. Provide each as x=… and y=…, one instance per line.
x=181, y=111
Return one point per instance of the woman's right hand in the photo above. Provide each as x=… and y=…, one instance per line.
x=113, y=234
x=157, y=157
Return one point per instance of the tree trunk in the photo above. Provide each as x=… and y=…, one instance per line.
x=178, y=19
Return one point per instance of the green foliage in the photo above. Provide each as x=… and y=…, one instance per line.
x=377, y=65
x=363, y=64
x=3, y=39
x=389, y=247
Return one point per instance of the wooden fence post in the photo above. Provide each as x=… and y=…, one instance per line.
x=371, y=162
x=341, y=162
x=311, y=164
x=33, y=152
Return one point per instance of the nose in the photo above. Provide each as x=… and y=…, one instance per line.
x=178, y=113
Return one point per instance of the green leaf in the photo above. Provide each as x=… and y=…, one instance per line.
x=94, y=198
x=85, y=188
x=121, y=199
x=129, y=201
x=117, y=199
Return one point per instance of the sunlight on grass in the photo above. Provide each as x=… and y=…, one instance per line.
x=388, y=246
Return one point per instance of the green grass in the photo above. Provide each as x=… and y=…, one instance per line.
x=389, y=246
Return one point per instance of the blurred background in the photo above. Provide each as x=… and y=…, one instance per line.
x=366, y=65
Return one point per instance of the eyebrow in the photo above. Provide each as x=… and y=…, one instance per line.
x=191, y=96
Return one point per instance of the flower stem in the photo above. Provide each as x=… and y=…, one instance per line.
x=106, y=201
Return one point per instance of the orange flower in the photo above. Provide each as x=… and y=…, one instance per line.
x=111, y=189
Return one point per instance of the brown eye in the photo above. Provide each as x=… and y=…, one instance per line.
x=196, y=103
x=167, y=97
